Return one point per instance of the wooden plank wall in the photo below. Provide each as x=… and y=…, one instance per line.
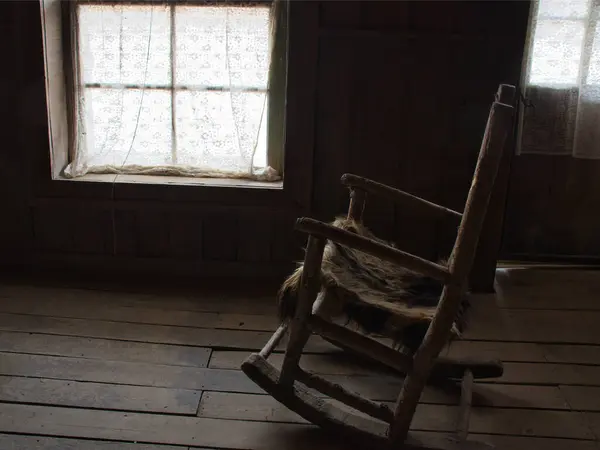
x=14, y=184
x=403, y=92
x=552, y=210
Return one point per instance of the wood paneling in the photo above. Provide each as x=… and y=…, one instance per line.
x=254, y=237
x=220, y=237
x=551, y=212
x=185, y=235
x=336, y=113
x=411, y=109
x=396, y=91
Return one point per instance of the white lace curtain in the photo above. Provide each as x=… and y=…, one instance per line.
x=561, y=115
x=172, y=90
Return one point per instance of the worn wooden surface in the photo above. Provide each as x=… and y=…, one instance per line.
x=95, y=369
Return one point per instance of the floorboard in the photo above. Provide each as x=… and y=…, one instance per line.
x=125, y=373
x=22, y=442
x=442, y=418
x=97, y=310
x=97, y=369
x=103, y=349
x=98, y=395
x=157, y=334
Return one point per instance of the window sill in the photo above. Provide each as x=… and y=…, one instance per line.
x=180, y=181
x=124, y=189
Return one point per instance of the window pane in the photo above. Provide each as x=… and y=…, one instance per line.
x=207, y=134
x=125, y=44
x=211, y=39
x=215, y=47
x=565, y=9
x=593, y=76
x=129, y=126
x=556, y=52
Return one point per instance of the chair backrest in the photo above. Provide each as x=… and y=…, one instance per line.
x=492, y=148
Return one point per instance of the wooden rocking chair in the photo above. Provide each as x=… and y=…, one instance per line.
x=291, y=386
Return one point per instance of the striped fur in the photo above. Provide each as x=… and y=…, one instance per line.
x=378, y=296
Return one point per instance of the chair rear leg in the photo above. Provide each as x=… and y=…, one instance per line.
x=298, y=328
x=466, y=399
x=358, y=198
x=459, y=264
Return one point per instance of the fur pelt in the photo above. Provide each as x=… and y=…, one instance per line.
x=378, y=296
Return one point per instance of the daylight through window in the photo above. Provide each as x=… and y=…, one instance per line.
x=172, y=89
x=562, y=80
x=564, y=43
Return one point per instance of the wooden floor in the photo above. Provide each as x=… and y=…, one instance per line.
x=89, y=369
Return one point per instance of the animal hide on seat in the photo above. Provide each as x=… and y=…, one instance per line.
x=379, y=296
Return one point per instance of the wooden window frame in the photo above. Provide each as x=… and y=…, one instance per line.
x=298, y=107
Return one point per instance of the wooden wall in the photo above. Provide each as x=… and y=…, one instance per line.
x=403, y=97
x=553, y=210
x=402, y=94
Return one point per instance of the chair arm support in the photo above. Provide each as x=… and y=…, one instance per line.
x=372, y=247
x=373, y=187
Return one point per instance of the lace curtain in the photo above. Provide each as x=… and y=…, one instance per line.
x=561, y=115
x=172, y=90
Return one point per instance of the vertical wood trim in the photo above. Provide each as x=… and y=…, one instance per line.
x=303, y=54
x=483, y=272
x=277, y=86
x=56, y=93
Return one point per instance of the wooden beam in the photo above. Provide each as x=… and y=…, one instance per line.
x=299, y=330
x=273, y=342
x=443, y=368
x=361, y=344
x=377, y=249
x=396, y=195
x=338, y=392
x=484, y=268
x=464, y=414
x=342, y=424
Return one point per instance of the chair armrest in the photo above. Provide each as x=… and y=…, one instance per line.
x=396, y=195
x=372, y=247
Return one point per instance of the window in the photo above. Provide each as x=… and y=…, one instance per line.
x=557, y=42
x=177, y=88
x=562, y=80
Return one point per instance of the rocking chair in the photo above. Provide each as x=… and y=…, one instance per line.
x=389, y=428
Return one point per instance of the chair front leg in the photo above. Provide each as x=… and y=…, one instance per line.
x=309, y=288
x=423, y=361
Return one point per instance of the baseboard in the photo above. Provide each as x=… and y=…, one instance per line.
x=144, y=274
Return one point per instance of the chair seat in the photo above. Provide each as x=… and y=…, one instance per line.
x=379, y=296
